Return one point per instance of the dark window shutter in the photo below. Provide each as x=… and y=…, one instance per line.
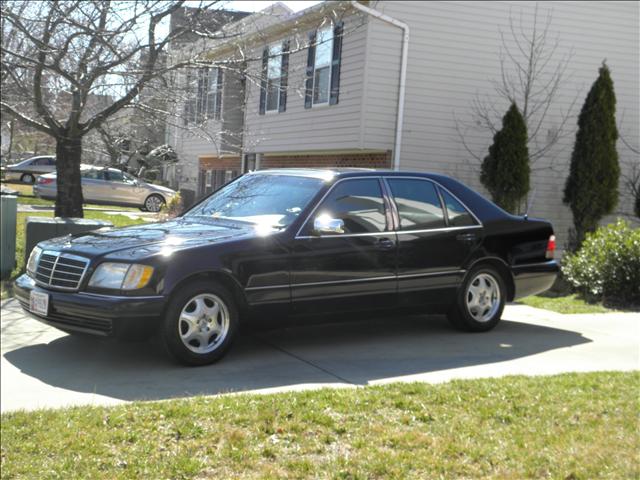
x=284, y=74
x=335, y=63
x=263, y=81
x=218, y=112
x=311, y=60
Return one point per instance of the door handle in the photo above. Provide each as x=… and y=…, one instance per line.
x=386, y=244
x=466, y=237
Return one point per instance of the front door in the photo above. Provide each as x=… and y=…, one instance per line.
x=350, y=270
x=436, y=237
x=125, y=188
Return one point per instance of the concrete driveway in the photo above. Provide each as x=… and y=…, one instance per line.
x=42, y=367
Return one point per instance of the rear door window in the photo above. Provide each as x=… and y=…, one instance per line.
x=419, y=206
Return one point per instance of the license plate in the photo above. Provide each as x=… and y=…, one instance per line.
x=39, y=303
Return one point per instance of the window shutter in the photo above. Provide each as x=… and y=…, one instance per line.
x=284, y=74
x=335, y=63
x=263, y=81
x=311, y=59
x=218, y=112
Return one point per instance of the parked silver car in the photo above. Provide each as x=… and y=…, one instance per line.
x=27, y=170
x=110, y=186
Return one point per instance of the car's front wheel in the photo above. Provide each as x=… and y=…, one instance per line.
x=480, y=301
x=154, y=203
x=27, y=178
x=200, y=323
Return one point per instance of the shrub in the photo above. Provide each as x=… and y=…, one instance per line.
x=607, y=266
x=505, y=171
x=174, y=207
x=591, y=189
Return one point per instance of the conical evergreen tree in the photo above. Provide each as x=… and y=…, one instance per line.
x=592, y=186
x=505, y=171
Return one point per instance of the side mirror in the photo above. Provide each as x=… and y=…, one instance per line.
x=324, y=224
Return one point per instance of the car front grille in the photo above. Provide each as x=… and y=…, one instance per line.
x=60, y=270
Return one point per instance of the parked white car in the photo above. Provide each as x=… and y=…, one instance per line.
x=27, y=170
x=110, y=186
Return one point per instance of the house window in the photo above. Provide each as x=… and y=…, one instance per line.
x=274, y=73
x=322, y=65
x=204, y=90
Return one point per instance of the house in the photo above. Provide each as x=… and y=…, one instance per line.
x=322, y=87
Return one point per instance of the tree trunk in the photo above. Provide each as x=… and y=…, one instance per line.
x=69, y=197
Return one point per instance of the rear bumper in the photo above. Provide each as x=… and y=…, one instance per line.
x=534, y=278
x=104, y=315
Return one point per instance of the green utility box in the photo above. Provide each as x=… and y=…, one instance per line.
x=38, y=229
x=8, y=214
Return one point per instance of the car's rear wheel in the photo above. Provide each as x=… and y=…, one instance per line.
x=200, y=324
x=480, y=301
x=27, y=178
x=154, y=203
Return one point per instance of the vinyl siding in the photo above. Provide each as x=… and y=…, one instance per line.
x=454, y=54
x=321, y=127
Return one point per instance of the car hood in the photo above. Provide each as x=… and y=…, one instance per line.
x=141, y=241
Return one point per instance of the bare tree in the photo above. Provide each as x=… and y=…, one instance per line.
x=531, y=73
x=59, y=56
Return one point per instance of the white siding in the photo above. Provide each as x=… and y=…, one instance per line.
x=454, y=54
x=318, y=128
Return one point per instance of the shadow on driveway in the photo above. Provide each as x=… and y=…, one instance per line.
x=352, y=353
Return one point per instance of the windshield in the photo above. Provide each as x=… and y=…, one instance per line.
x=265, y=200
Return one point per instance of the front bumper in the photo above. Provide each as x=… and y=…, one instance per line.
x=534, y=278
x=104, y=315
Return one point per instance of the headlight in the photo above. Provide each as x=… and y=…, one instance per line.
x=33, y=259
x=121, y=276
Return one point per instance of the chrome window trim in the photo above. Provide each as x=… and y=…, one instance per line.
x=58, y=255
x=306, y=220
x=388, y=192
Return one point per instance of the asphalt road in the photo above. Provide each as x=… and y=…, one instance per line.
x=42, y=367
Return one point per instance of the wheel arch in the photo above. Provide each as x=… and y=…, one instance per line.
x=223, y=278
x=503, y=269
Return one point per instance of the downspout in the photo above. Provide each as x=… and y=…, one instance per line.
x=403, y=72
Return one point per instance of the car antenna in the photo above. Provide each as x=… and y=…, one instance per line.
x=529, y=203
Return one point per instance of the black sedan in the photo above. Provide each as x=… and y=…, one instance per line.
x=293, y=244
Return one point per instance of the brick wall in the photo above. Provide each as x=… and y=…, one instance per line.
x=358, y=160
x=217, y=163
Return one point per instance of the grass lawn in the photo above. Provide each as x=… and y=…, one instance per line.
x=573, y=426
x=564, y=303
x=5, y=285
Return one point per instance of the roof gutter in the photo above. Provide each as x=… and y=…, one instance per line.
x=403, y=72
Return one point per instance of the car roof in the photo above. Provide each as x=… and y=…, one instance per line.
x=344, y=172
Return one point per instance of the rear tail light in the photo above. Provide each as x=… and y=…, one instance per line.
x=44, y=181
x=551, y=247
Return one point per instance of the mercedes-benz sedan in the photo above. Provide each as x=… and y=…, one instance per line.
x=293, y=244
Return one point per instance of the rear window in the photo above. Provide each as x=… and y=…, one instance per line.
x=458, y=215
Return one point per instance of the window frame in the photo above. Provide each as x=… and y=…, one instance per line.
x=331, y=29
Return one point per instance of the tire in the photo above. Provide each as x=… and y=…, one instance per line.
x=154, y=203
x=192, y=332
x=480, y=301
x=28, y=178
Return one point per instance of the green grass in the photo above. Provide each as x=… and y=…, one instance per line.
x=564, y=303
x=5, y=285
x=573, y=426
